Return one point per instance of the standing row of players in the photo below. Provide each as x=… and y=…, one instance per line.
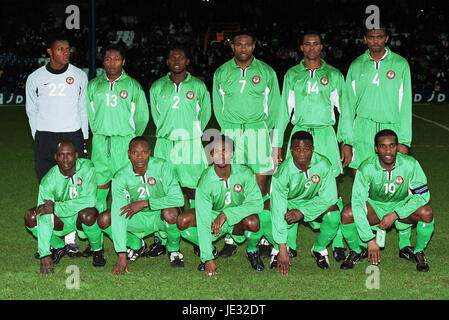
x=246, y=99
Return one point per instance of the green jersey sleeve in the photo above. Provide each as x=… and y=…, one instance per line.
x=173, y=195
x=420, y=190
x=119, y=224
x=203, y=212
x=360, y=194
x=44, y=222
x=279, y=202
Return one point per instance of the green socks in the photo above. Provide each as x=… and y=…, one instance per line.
x=252, y=239
x=423, y=233
x=328, y=230
x=94, y=235
x=191, y=234
x=173, y=237
x=102, y=195
x=404, y=237
x=349, y=231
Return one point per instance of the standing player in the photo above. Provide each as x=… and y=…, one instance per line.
x=66, y=202
x=118, y=110
x=389, y=187
x=56, y=109
x=145, y=199
x=246, y=101
x=377, y=96
x=311, y=90
x=228, y=200
x=181, y=109
x=304, y=188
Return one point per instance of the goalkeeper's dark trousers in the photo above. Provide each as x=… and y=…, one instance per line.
x=45, y=144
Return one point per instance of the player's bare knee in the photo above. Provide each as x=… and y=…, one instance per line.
x=170, y=215
x=346, y=215
x=426, y=213
x=183, y=221
x=88, y=216
x=252, y=223
x=30, y=218
x=104, y=219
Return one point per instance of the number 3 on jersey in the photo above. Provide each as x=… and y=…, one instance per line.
x=228, y=197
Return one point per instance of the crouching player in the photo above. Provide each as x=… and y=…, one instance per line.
x=227, y=200
x=145, y=199
x=304, y=188
x=389, y=187
x=66, y=202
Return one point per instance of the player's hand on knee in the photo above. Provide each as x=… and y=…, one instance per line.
x=47, y=207
x=293, y=216
x=210, y=268
x=132, y=208
x=387, y=221
x=47, y=265
x=218, y=223
x=373, y=252
x=121, y=266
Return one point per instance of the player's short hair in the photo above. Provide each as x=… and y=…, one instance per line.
x=222, y=138
x=113, y=46
x=244, y=32
x=311, y=32
x=385, y=133
x=138, y=139
x=301, y=135
x=53, y=37
x=180, y=47
x=70, y=143
x=381, y=27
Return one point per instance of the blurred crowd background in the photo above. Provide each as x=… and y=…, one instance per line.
x=418, y=31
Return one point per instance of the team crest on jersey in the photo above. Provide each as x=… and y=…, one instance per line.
x=256, y=79
x=238, y=187
x=123, y=94
x=391, y=74
x=80, y=182
x=190, y=95
x=315, y=178
x=151, y=181
x=324, y=81
x=69, y=80
x=399, y=180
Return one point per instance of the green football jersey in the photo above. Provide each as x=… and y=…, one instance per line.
x=184, y=107
x=117, y=108
x=312, y=95
x=406, y=181
x=379, y=91
x=248, y=95
x=312, y=192
x=238, y=197
x=159, y=185
x=69, y=194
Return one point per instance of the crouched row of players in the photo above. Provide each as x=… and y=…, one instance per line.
x=389, y=188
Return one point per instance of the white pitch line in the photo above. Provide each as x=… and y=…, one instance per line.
x=432, y=122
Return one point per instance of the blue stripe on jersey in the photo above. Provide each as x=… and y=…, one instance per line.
x=422, y=189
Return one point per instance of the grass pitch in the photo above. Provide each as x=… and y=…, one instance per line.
x=155, y=279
